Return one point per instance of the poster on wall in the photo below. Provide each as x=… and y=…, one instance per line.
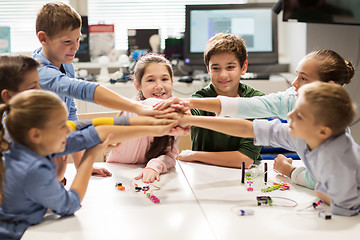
x=5, y=46
x=102, y=40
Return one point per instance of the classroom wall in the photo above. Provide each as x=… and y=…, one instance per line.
x=298, y=39
x=344, y=39
x=80, y=6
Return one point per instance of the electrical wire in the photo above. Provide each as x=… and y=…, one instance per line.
x=284, y=198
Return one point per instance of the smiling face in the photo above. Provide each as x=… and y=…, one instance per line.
x=62, y=47
x=156, y=82
x=52, y=138
x=30, y=81
x=225, y=73
x=303, y=124
x=306, y=73
x=302, y=120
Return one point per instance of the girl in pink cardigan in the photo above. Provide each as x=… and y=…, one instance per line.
x=153, y=78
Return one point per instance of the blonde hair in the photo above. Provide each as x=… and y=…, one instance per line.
x=26, y=110
x=331, y=105
x=56, y=17
x=226, y=43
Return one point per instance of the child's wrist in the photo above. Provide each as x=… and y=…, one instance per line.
x=190, y=102
x=291, y=171
x=138, y=108
x=185, y=120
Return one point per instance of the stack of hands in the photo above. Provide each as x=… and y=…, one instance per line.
x=177, y=109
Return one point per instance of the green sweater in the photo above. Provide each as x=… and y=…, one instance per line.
x=211, y=141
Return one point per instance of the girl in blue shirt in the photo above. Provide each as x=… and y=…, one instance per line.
x=19, y=73
x=36, y=121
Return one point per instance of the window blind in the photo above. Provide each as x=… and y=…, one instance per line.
x=166, y=15
x=21, y=16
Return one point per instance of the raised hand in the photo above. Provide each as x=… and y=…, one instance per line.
x=143, y=110
x=161, y=130
x=179, y=116
x=179, y=131
x=172, y=103
x=146, y=120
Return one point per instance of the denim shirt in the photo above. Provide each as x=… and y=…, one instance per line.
x=65, y=85
x=30, y=186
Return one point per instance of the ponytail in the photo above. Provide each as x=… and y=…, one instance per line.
x=332, y=67
x=26, y=110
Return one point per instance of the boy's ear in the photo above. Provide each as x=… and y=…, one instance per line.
x=6, y=95
x=42, y=37
x=34, y=135
x=244, y=67
x=325, y=132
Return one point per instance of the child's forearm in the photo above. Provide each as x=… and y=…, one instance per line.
x=121, y=121
x=145, y=120
x=124, y=133
x=206, y=104
x=77, y=158
x=301, y=176
x=226, y=159
x=107, y=98
x=80, y=124
x=229, y=126
x=83, y=175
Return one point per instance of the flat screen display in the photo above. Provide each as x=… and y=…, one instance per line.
x=322, y=11
x=255, y=23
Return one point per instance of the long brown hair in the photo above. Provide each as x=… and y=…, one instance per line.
x=26, y=110
x=159, y=145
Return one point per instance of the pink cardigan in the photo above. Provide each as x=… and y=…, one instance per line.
x=133, y=151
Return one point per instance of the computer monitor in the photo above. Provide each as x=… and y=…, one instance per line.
x=325, y=11
x=255, y=23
